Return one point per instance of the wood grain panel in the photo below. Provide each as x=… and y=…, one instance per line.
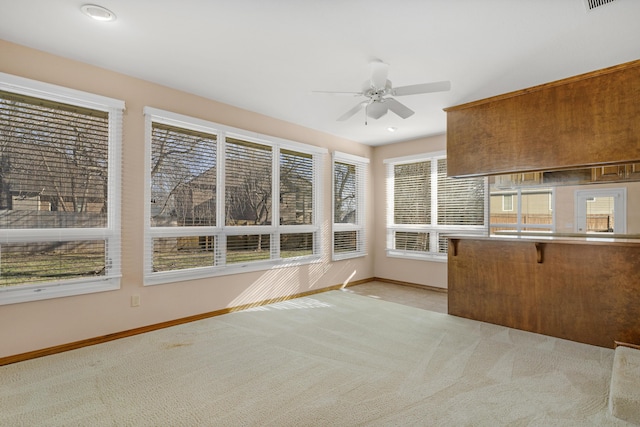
x=586, y=120
x=580, y=292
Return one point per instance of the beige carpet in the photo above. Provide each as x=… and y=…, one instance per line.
x=333, y=359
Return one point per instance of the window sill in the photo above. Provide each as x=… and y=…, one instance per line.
x=28, y=293
x=164, y=277
x=417, y=256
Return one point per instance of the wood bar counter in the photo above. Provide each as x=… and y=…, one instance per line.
x=584, y=289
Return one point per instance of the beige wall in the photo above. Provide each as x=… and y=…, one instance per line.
x=429, y=273
x=36, y=325
x=41, y=324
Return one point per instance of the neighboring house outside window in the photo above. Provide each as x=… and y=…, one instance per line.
x=424, y=206
x=59, y=191
x=349, y=219
x=531, y=209
x=223, y=201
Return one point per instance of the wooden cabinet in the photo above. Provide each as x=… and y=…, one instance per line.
x=633, y=171
x=573, y=289
x=598, y=174
x=608, y=173
x=518, y=179
x=587, y=120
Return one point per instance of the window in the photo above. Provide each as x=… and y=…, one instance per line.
x=531, y=209
x=507, y=202
x=424, y=205
x=349, y=186
x=222, y=201
x=59, y=203
x=601, y=210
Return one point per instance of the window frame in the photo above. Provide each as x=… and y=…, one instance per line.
x=434, y=230
x=506, y=197
x=361, y=165
x=111, y=234
x=221, y=231
x=516, y=194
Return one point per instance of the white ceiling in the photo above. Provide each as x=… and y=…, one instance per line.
x=268, y=56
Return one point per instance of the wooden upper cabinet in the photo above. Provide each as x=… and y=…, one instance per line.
x=588, y=120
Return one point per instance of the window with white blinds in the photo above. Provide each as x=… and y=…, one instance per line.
x=461, y=201
x=248, y=183
x=424, y=205
x=223, y=201
x=59, y=198
x=349, y=187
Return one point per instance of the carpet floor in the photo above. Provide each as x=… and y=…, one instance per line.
x=331, y=359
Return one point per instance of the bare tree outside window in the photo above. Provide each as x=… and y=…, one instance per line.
x=248, y=183
x=183, y=177
x=53, y=164
x=253, y=204
x=54, y=173
x=345, y=193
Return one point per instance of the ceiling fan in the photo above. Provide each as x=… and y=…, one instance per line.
x=379, y=91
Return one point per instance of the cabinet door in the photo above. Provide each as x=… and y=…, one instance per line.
x=608, y=173
x=633, y=171
x=530, y=178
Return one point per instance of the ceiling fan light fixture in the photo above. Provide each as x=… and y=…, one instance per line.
x=380, y=93
x=98, y=13
x=375, y=110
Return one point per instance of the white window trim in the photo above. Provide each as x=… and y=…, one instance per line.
x=518, y=225
x=580, y=214
x=111, y=233
x=361, y=164
x=434, y=229
x=221, y=231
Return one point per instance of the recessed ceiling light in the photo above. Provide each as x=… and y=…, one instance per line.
x=98, y=13
x=392, y=129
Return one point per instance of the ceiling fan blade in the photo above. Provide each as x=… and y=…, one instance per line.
x=375, y=110
x=352, y=111
x=421, y=88
x=329, y=92
x=379, y=72
x=398, y=108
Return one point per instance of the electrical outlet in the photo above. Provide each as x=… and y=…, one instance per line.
x=135, y=300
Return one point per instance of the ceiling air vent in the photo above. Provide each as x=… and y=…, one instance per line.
x=592, y=4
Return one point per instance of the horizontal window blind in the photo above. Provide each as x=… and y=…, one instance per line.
x=345, y=190
x=53, y=165
x=349, y=208
x=411, y=241
x=293, y=245
x=223, y=202
x=461, y=201
x=346, y=241
x=411, y=193
x=296, y=188
x=424, y=206
x=248, y=188
x=183, y=177
x=59, y=170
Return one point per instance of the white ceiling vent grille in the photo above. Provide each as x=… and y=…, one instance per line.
x=592, y=4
